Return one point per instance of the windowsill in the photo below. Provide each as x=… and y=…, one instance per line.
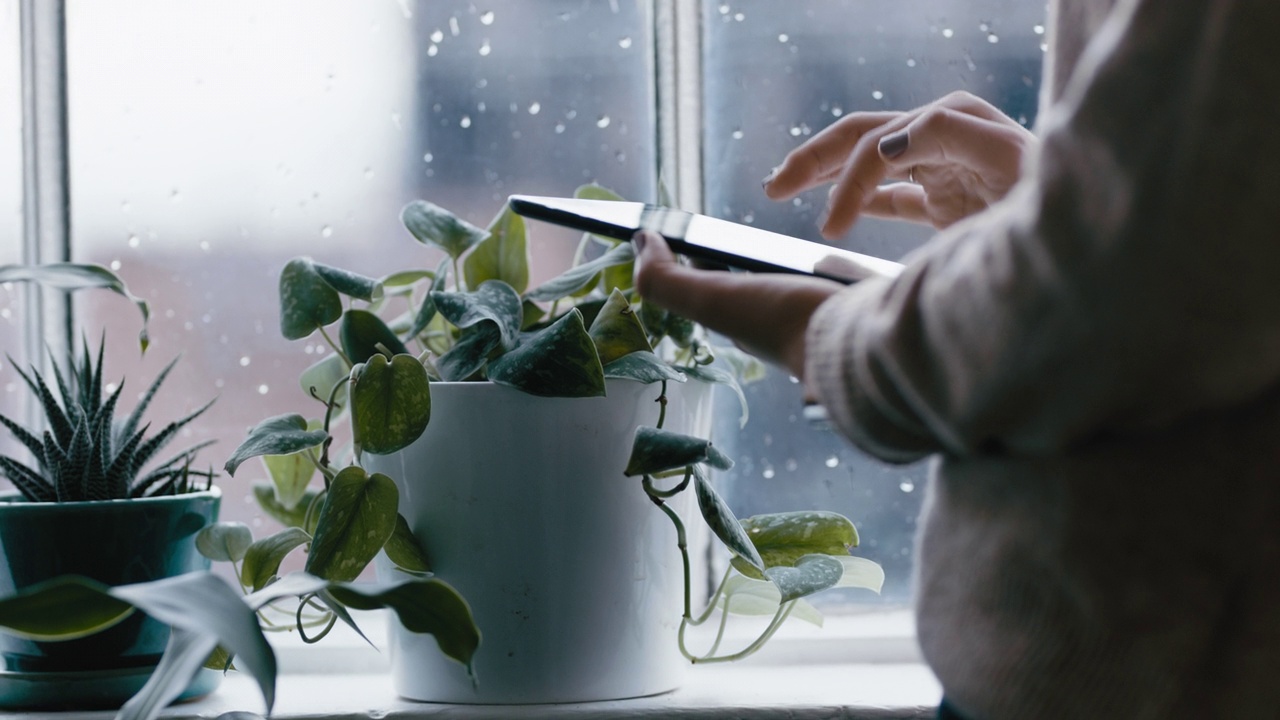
x=855, y=667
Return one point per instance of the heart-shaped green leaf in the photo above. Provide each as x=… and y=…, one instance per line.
x=290, y=475
x=433, y=225
x=279, y=435
x=711, y=374
x=358, y=517
x=470, y=353
x=390, y=403
x=262, y=559
x=560, y=361
x=402, y=281
x=224, y=541
x=265, y=495
x=617, y=331
x=323, y=376
x=723, y=522
x=361, y=332
x=349, y=283
x=811, y=574
x=533, y=313
x=64, y=608
x=504, y=255
x=654, y=319
x=427, y=311
x=423, y=606
x=493, y=301
x=784, y=538
x=307, y=302
x=655, y=450
x=860, y=573
x=203, y=612
x=745, y=596
x=581, y=276
x=70, y=277
x=403, y=549
x=644, y=367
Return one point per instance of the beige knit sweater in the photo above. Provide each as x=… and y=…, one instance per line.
x=1095, y=362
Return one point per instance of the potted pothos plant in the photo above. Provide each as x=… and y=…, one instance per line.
x=469, y=428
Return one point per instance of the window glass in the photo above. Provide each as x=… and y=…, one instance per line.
x=775, y=73
x=246, y=133
x=12, y=394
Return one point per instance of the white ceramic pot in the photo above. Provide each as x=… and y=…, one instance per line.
x=572, y=573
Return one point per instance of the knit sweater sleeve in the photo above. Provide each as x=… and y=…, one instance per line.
x=1131, y=279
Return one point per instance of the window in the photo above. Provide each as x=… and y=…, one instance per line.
x=12, y=394
x=205, y=156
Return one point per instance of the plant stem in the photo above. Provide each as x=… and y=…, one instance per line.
x=662, y=405
x=711, y=604
x=683, y=544
x=784, y=611
x=457, y=277
x=654, y=492
x=336, y=348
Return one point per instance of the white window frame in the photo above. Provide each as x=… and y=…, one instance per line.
x=881, y=636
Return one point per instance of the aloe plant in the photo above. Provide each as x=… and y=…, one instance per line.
x=86, y=453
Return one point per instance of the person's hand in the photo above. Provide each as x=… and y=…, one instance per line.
x=957, y=155
x=766, y=314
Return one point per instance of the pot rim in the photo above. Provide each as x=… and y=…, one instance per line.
x=13, y=498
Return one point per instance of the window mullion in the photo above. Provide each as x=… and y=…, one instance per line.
x=46, y=194
x=679, y=68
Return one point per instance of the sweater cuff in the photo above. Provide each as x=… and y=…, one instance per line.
x=840, y=371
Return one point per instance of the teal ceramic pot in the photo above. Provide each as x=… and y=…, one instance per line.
x=115, y=542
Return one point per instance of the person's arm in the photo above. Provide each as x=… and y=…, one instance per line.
x=1129, y=280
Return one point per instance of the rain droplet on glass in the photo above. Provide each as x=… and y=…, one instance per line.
x=737, y=135
x=244, y=361
x=993, y=38
x=832, y=461
x=326, y=231
x=432, y=50
x=739, y=17
x=948, y=32
x=624, y=43
x=768, y=473
x=535, y=108
x=487, y=18
x=263, y=389
x=603, y=121
x=437, y=36
x=428, y=158
x=1038, y=29
x=783, y=37
x=115, y=264
x=559, y=128
x=877, y=94
x=134, y=241
x=454, y=30
x=484, y=48
x=906, y=486
x=465, y=122
x=124, y=206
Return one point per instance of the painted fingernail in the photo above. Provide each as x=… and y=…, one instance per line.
x=891, y=146
x=769, y=178
x=638, y=240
